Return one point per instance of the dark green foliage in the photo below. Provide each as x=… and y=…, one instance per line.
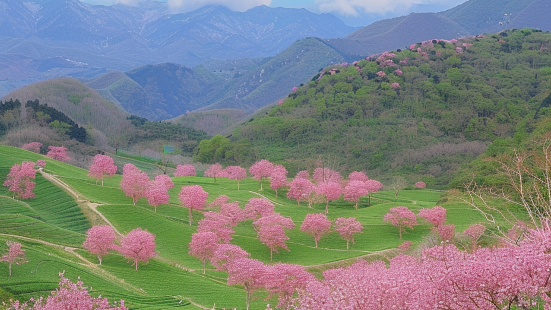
x=58, y=120
x=451, y=102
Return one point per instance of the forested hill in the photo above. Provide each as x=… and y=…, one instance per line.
x=419, y=112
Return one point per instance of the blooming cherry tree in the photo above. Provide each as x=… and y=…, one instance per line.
x=373, y=186
x=300, y=189
x=213, y=171
x=278, y=178
x=166, y=180
x=258, y=207
x=331, y=191
x=236, y=173
x=317, y=225
x=186, y=170
x=401, y=217
x=358, y=176
x=33, y=147
x=285, y=280
x=102, y=165
x=58, y=153
x=156, y=193
x=134, y=182
x=250, y=273
x=15, y=255
x=193, y=197
x=271, y=231
x=261, y=169
x=420, y=185
x=435, y=216
x=99, y=240
x=203, y=245
x=225, y=253
x=138, y=246
x=19, y=181
x=233, y=212
x=347, y=227
x=354, y=190
x=217, y=223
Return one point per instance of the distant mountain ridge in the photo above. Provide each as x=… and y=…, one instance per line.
x=43, y=39
x=468, y=19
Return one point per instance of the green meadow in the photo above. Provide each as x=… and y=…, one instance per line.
x=53, y=226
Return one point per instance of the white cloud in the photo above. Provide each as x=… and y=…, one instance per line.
x=190, y=5
x=358, y=7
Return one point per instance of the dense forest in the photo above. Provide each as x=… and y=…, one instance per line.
x=418, y=112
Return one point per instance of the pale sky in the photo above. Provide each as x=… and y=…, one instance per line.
x=353, y=12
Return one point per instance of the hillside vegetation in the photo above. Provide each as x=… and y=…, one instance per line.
x=419, y=112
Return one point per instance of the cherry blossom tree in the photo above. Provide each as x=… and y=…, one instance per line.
x=372, y=186
x=186, y=170
x=317, y=225
x=217, y=223
x=213, y=171
x=271, y=231
x=225, y=253
x=250, y=273
x=285, y=280
x=203, y=245
x=19, y=181
x=258, y=207
x=166, y=180
x=323, y=175
x=41, y=163
x=420, y=185
x=261, y=169
x=233, y=212
x=102, y=165
x=68, y=295
x=303, y=174
x=138, y=246
x=99, y=240
x=401, y=217
x=354, y=190
x=134, y=182
x=445, y=232
x=474, y=232
x=58, y=153
x=347, y=227
x=236, y=173
x=331, y=191
x=358, y=176
x=156, y=193
x=435, y=216
x=193, y=197
x=300, y=189
x=15, y=255
x=278, y=178
x=33, y=147
x=219, y=201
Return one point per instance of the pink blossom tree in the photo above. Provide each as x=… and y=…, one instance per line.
x=300, y=189
x=15, y=255
x=323, y=175
x=186, y=170
x=236, y=173
x=278, y=178
x=68, y=296
x=41, y=163
x=138, y=246
x=217, y=223
x=436, y=216
x=219, y=201
x=401, y=217
x=373, y=186
x=213, y=171
x=134, y=182
x=58, y=153
x=19, y=179
x=261, y=169
x=102, y=165
x=271, y=231
x=203, y=245
x=99, y=240
x=420, y=185
x=225, y=253
x=317, y=225
x=445, y=232
x=474, y=232
x=250, y=273
x=156, y=193
x=258, y=207
x=33, y=147
x=303, y=174
x=233, y=212
x=347, y=227
x=354, y=190
x=193, y=197
x=331, y=191
x=166, y=180
x=358, y=176
x=285, y=280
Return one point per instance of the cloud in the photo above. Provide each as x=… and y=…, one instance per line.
x=358, y=7
x=190, y=5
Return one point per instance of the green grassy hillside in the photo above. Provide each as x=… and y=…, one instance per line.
x=52, y=227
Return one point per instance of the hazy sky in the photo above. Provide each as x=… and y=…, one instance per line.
x=353, y=12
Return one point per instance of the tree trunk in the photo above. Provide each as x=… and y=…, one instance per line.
x=190, y=216
x=204, y=266
x=326, y=207
x=347, y=242
x=271, y=254
x=10, y=269
x=136, y=262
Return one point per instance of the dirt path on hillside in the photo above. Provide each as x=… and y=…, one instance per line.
x=91, y=205
x=274, y=202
